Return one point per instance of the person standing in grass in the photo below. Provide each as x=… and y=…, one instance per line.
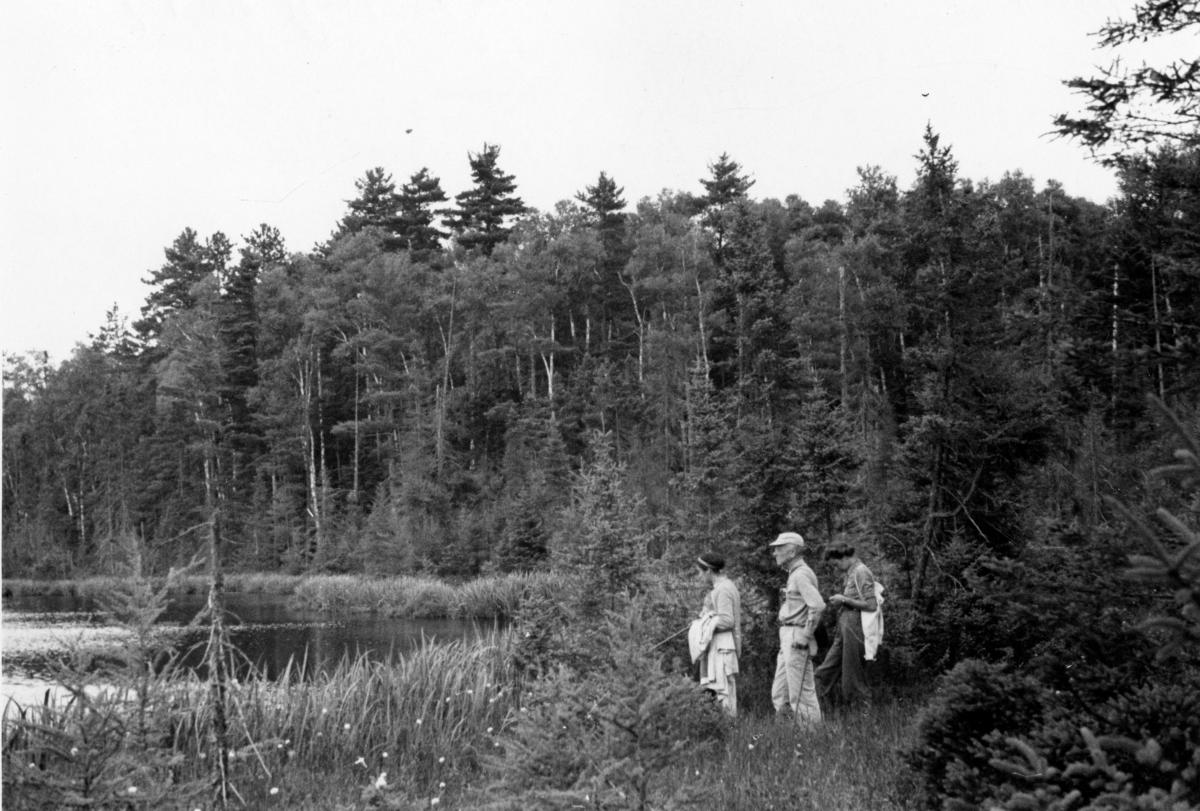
x=722, y=613
x=842, y=676
x=800, y=609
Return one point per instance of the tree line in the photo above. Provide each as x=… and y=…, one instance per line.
x=959, y=365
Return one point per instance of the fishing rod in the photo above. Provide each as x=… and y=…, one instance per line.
x=669, y=638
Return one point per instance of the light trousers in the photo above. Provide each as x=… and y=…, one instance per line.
x=794, y=685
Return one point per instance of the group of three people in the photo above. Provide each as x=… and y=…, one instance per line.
x=799, y=684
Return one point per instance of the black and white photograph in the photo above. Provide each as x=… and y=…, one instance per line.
x=513, y=404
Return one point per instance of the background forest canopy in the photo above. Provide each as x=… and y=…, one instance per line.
x=940, y=374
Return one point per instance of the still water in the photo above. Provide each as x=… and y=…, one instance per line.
x=38, y=631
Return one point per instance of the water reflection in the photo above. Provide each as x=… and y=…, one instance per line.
x=37, y=632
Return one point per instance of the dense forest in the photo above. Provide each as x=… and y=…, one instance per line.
x=953, y=376
x=951, y=370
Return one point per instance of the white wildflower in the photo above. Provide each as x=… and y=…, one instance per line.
x=361, y=762
x=381, y=780
x=274, y=790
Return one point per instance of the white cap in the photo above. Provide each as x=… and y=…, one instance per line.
x=786, y=538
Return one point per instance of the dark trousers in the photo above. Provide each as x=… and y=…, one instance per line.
x=842, y=676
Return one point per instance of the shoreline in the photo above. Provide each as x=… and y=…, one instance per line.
x=396, y=596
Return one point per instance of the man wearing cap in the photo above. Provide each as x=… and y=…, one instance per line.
x=800, y=609
x=844, y=664
x=723, y=607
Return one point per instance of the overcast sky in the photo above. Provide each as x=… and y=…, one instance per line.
x=125, y=122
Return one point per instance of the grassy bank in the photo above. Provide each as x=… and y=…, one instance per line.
x=425, y=726
x=401, y=596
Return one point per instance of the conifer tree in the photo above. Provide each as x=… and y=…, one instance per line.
x=376, y=205
x=480, y=217
x=726, y=187
x=189, y=262
x=414, y=217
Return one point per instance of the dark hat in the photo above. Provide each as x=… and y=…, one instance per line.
x=839, y=550
x=711, y=561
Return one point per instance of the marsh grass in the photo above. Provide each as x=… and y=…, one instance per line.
x=98, y=587
x=401, y=597
x=421, y=597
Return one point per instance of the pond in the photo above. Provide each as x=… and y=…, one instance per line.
x=38, y=630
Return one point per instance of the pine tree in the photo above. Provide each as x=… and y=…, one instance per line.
x=189, y=262
x=376, y=206
x=414, y=218
x=479, y=219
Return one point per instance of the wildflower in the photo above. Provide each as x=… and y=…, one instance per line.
x=447, y=699
x=470, y=692
x=489, y=731
x=291, y=753
x=74, y=751
x=441, y=760
x=132, y=789
x=435, y=801
x=324, y=711
x=385, y=755
x=274, y=790
x=361, y=762
x=442, y=784
x=419, y=722
x=751, y=746
x=287, y=741
x=381, y=780
x=346, y=727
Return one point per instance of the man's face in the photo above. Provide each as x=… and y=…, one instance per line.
x=784, y=554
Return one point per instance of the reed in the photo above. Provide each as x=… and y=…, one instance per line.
x=428, y=716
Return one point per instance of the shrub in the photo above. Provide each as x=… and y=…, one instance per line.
x=606, y=736
x=974, y=701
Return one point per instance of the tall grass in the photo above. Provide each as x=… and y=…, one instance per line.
x=421, y=597
x=425, y=719
x=852, y=763
x=404, y=596
x=428, y=714
x=99, y=586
